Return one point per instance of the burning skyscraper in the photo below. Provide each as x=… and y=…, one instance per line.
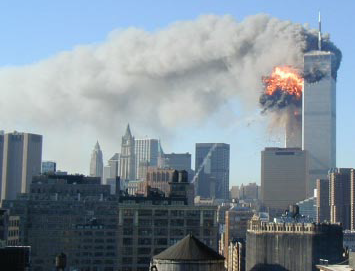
x=305, y=100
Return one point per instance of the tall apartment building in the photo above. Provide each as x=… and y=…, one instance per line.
x=22, y=156
x=236, y=223
x=146, y=153
x=340, y=196
x=212, y=162
x=96, y=162
x=283, y=176
x=127, y=157
x=322, y=201
x=319, y=116
x=292, y=246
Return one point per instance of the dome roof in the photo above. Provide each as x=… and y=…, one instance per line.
x=189, y=248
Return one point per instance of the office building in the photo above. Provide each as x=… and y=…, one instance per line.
x=111, y=170
x=146, y=153
x=236, y=223
x=283, y=176
x=234, y=192
x=96, y=162
x=319, y=116
x=322, y=201
x=236, y=255
x=308, y=208
x=148, y=225
x=127, y=157
x=212, y=168
x=249, y=192
x=340, y=196
x=292, y=246
x=22, y=156
x=178, y=161
x=48, y=167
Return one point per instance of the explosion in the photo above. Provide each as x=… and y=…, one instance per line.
x=283, y=87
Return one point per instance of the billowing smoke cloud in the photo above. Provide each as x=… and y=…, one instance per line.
x=155, y=80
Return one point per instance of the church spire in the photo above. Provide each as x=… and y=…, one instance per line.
x=128, y=132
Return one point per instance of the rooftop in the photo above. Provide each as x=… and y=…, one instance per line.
x=189, y=249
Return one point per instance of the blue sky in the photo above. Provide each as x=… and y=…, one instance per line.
x=35, y=30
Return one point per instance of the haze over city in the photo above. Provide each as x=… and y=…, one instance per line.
x=77, y=75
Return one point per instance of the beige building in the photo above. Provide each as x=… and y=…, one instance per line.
x=283, y=176
x=22, y=156
x=127, y=157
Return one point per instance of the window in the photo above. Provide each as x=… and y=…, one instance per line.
x=127, y=241
x=160, y=231
x=161, y=212
x=161, y=241
x=144, y=212
x=144, y=232
x=128, y=231
x=144, y=241
x=177, y=222
x=161, y=222
x=143, y=250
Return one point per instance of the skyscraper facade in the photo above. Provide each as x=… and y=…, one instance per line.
x=212, y=161
x=96, y=162
x=319, y=116
x=127, y=157
x=22, y=156
x=1, y=155
x=322, y=201
x=293, y=137
x=283, y=176
x=146, y=151
x=340, y=196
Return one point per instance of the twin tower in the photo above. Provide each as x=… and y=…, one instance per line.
x=314, y=128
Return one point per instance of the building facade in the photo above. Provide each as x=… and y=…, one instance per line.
x=322, y=201
x=319, y=116
x=146, y=153
x=96, y=162
x=127, y=157
x=283, y=176
x=340, y=196
x=308, y=208
x=292, y=246
x=22, y=156
x=212, y=168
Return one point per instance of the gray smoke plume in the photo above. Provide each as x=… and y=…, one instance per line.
x=157, y=81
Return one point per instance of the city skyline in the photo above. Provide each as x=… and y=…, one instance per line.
x=244, y=129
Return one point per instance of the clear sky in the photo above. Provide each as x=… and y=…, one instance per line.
x=36, y=30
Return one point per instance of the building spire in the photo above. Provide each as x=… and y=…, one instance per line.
x=319, y=37
x=128, y=132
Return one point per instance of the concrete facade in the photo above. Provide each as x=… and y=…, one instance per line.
x=322, y=201
x=319, y=117
x=283, y=176
x=292, y=246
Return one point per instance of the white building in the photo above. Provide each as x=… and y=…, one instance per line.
x=22, y=155
x=146, y=154
x=319, y=116
x=127, y=157
x=96, y=162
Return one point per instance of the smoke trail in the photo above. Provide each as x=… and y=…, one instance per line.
x=157, y=81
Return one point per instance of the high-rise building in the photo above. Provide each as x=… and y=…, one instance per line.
x=96, y=162
x=249, y=191
x=111, y=171
x=319, y=116
x=146, y=151
x=213, y=160
x=353, y=199
x=234, y=192
x=322, y=201
x=236, y=222
x=293, y=137
x=283, y=176
x=340, y=196
x=1, y=155
x=308, y=208
x=22, y=156
x=178, y=161
x=48, y=167
x=127, y=157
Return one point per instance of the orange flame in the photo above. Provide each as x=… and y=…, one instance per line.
x=284, y=79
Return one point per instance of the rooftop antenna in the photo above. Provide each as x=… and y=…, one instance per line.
x=319, y=39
